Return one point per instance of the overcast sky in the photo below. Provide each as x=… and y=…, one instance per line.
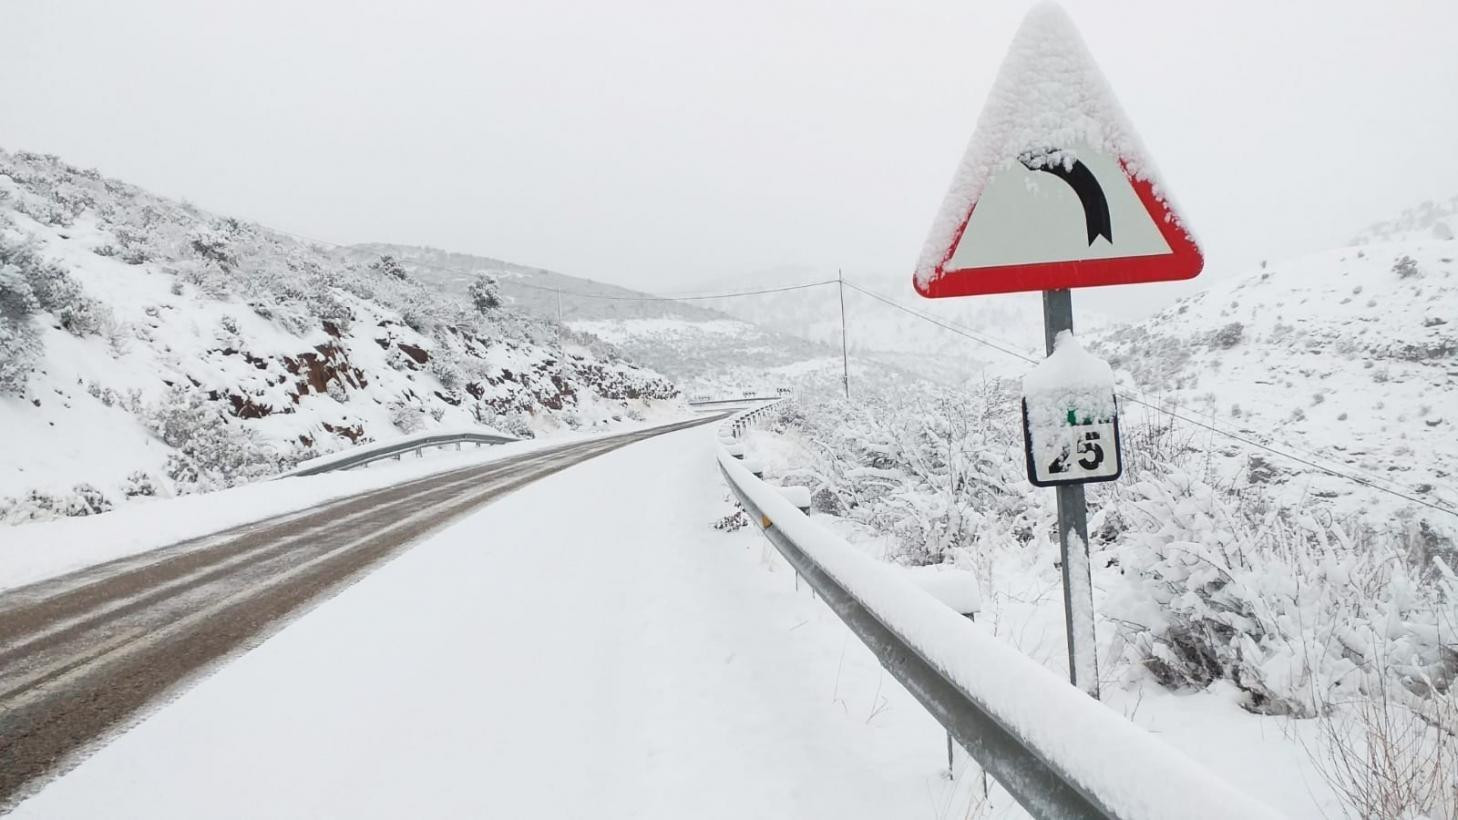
x=679, y=145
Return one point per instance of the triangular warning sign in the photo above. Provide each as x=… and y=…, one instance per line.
x=1055, y=190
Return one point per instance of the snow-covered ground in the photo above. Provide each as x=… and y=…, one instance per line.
x=625, y=660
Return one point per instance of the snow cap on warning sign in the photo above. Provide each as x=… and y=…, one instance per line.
x=1048, y=93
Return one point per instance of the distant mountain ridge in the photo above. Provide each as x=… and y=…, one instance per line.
x=697, y=345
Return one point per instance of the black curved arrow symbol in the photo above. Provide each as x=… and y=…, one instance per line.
x=1083, y=183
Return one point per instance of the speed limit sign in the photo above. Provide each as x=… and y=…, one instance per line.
x=1075, y=449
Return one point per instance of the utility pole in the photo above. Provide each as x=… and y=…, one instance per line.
x=844, y=355
x=559, y=307
x=1078, y=612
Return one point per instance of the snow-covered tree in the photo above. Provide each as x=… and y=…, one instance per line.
x=484, y=294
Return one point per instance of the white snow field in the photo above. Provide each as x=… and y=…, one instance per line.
x=585, y=647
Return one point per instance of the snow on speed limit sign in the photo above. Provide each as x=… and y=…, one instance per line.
x=1071, y=418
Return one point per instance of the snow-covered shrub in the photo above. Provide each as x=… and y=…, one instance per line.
x=212, y=245
x=53, y=289
x=209, y=453
x=1386, y=756
x=419, y=313
x=924, y=464
x=1405, y=267
x=84, y=499
x=732, y=522
x=1228, y=336
x=1206, y=579
x=484, y=295
x=19, y=339
x=447, y=369
x=387, y=266
x=407, y=416
x=140, y=483
x=35, y=505
x=515, y=424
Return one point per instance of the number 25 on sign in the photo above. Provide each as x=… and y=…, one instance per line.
x=1082, y=449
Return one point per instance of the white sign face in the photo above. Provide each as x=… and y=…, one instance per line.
x=1075, y=204
x=1072, y=453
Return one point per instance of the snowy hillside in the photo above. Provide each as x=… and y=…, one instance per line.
x=692, y=342
x=148, y=347
x=1349, y=355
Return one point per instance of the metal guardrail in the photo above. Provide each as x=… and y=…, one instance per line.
x=369, y=453
x=741, y=421
x=716, y=402
x=1038, y=780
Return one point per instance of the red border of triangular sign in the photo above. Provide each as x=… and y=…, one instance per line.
x=1183, y=262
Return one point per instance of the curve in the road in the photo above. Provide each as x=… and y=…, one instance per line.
x=83, y=655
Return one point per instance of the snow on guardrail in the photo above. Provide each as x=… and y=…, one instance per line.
x=1098, y=761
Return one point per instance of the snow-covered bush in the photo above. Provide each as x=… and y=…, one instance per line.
x=921, y=463
x=484, y=295
x=52, y=289
x=140, y=483
x=448, y=369
x=36, y=505
x=84, y=499
x=1205, y=579
x=387, y=266
x=1228, y=336
x=1385, y=755
x=514, y=424
x=407, y=416
x=209, y=453
x=19, y=339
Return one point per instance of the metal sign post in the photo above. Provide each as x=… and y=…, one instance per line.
x=1078, y=612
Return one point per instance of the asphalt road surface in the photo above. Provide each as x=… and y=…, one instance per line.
x=84, y=655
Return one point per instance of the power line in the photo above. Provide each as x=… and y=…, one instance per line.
x=1134, y=398
x=944, y=325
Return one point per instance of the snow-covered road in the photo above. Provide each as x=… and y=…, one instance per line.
x=587, y=646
